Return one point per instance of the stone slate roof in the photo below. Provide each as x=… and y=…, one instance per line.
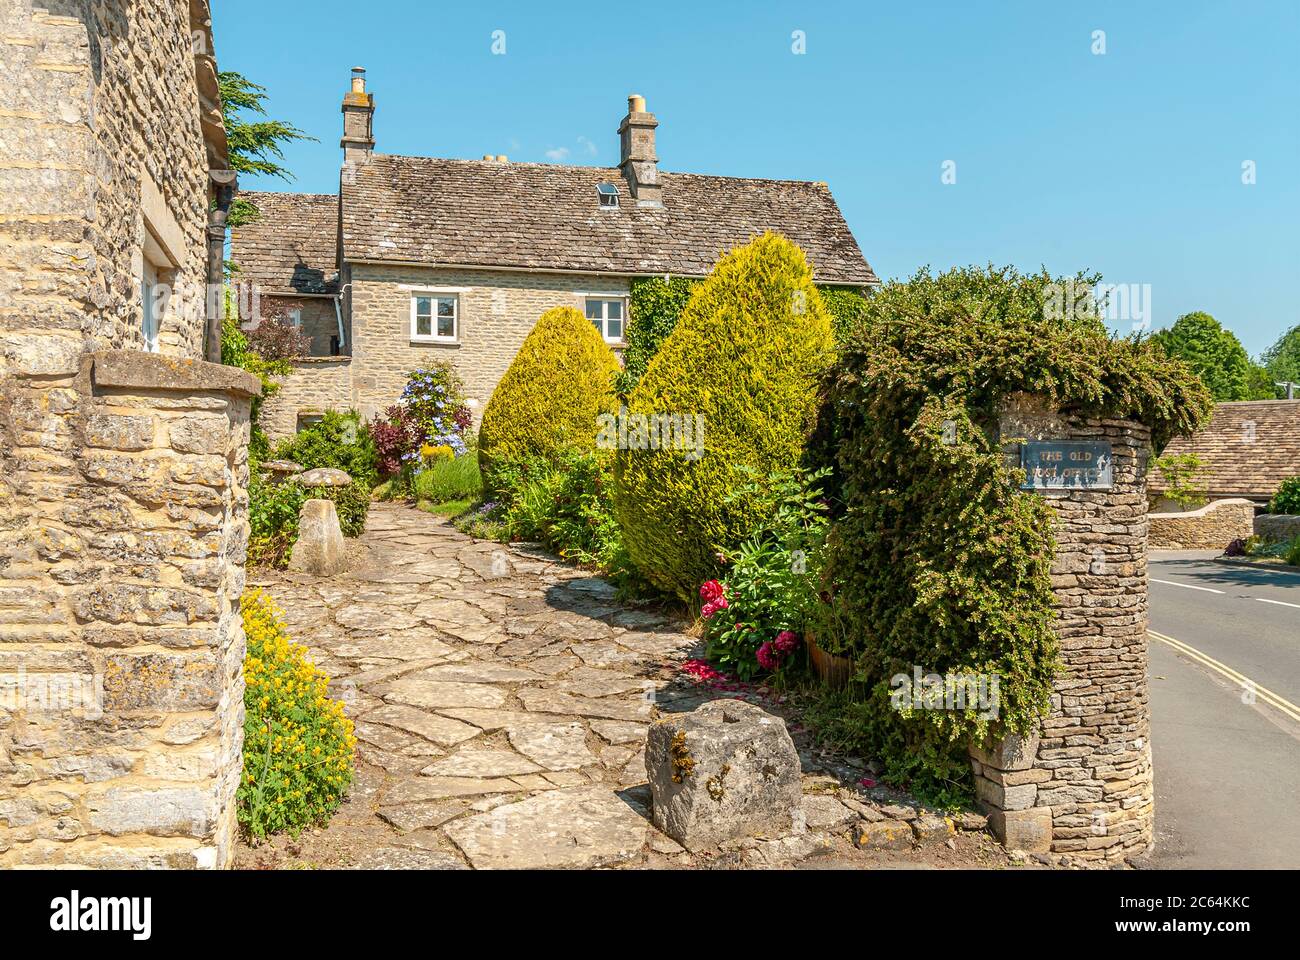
x=546, y=216
x=1247, y=450
x=292, y=247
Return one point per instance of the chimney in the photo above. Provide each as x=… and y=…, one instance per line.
x=637, y=158
x=358, y=141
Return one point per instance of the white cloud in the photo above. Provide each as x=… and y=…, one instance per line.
x=588, y=146
x=556, y=154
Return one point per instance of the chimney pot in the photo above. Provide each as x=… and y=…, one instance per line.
x=487, y=156
x=358, y=79
x=636, y=103
x=502, y=158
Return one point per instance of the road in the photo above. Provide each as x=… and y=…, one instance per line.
x=1227, y=764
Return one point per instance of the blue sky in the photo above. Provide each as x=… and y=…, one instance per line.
x=1128, y=163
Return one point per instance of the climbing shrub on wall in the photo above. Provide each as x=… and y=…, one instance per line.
x=938, y=560
x=744, y=361
x=298, y=744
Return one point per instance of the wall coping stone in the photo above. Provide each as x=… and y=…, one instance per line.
x=342, y=358
x=135, y=369
x=1202, y=511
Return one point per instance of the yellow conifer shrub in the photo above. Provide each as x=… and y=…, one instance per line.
x=548, y=401
x=747, y=355
x=298, y=744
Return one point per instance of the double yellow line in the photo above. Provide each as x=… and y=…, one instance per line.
x=1288, y=708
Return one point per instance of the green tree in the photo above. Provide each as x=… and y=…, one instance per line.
x=1282, y=360
x=255, y=144
x=1212, y=351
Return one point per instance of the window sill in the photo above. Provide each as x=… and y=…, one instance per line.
x=430, y=342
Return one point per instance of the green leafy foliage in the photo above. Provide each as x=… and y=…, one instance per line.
x=449, y=479
x=338, y=440
x=771, y=586
x=548, y=402
x=938, y=560
x=1281, y=361
x=746, y=356
x=1182, y=473
x=847, y=307
x=1212, y=351
x=255, y=145
x=1287, y=498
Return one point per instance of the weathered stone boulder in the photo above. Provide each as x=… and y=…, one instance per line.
x=280, y=470
x=725, y=770
x=319, y=549
x=323, y=477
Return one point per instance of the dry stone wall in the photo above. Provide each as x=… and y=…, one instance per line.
x=316, y=384
x=1212, y=527
x=1082, y=784
x=121, y=645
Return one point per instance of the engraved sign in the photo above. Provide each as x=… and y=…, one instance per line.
x=1067, y=465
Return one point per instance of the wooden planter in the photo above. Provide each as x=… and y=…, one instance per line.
x=834, y=671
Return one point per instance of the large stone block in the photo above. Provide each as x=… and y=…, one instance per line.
x=162, y=681
x=1029, y=830
x=319, y=549
x=725, y=770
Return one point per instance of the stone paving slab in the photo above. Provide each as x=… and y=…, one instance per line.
x=501, y=699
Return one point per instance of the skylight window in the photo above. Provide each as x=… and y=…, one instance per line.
x=608, y=194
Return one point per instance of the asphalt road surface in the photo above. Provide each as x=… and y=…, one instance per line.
x=1225, y=728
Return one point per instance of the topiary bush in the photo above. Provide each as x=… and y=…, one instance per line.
x=549, y=400
x=1287, y=498
x=746, y=356
x=937, y=559
x=298, y=744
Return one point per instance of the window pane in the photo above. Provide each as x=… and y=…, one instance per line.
x=446, y=306
x=593, y=310
x=423, y=326
x=423, y=306
x=615, y=329
x=446, y=327
x=615, y=309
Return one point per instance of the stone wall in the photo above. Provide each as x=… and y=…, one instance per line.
x=316, y=384
x=1276, y=527
x=320, y=321
x=1082, y=785
x=1212, y=527
x=497, y=311
x=123, y=508
x=100, y=130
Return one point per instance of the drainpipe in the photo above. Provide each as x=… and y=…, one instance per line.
x=224, y=182
x=338, y=315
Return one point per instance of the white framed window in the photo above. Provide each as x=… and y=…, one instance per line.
x=435, y=317
x=608, y=194
x=295, y=318
x=151, y=306
x=608, y=314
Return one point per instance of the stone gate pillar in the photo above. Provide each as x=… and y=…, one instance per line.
x=123, y=531
x=1082, y=785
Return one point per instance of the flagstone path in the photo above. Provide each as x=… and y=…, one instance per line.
x=501, y=700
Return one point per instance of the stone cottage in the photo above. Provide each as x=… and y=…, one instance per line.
x=420, y=259
x=123, y=453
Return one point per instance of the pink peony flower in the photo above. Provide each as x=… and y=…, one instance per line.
x=769, y=658
x=786, y=641
x=710, y=591
x=713, y=606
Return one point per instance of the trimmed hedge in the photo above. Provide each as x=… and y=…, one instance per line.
x=746, y=355
x=548, y=401
x=656, y=303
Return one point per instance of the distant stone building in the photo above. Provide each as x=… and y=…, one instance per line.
x=123, y=455
x=420, y=259
x=1248, y=448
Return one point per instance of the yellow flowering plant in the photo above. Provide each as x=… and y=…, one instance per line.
x=298, y=744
